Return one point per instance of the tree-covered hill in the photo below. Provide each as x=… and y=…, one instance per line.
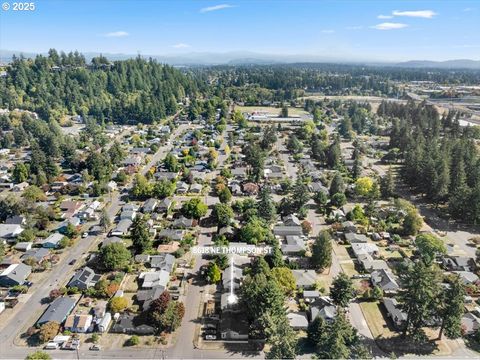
x=59, y=84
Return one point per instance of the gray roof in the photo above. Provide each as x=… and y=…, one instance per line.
x=327, y=312
x=162, y=262
x=58, y=310
x=53, y=240
x=10, y=230
x=282, y=230
x=147, y=296
x=111, y=240
x=150, y=205
x=305, y=278
x=37, y=254
x=123, y=226
x=385, y=280
x=293, y=244
x=84, y=278
x=182, y=222
x=298, y=320
x=171, y=234
x=393, y=309
x=291, y=220
x=356, y=238
x=15, y=274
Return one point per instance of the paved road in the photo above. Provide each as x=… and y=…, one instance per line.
x=27, y=313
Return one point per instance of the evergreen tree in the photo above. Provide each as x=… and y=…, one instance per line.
x=342, y=290
x=266, y=206
x=322, y=251
x=337, y=185
x=140, y=234
x=451, y=309
x=418, y=297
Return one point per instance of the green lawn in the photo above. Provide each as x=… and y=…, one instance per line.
x=375, y=320
x=270, y=109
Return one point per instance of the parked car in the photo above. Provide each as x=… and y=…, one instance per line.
x=210, y=337
x=94, y=348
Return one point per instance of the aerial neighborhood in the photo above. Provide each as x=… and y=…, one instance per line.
x=176, y=213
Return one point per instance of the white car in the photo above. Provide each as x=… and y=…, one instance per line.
x=85, y=234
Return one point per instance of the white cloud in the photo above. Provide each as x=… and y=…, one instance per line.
x=468, y=9
x=426, y=14
x=384, y=16
x=181, y=46
x=215, y=8
x=117, y=34
x=389, y=26
x=354, y=27
x=327, y=31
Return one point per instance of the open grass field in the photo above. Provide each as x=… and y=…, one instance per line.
x=271, y=110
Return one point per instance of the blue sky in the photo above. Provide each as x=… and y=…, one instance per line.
x=366, y=30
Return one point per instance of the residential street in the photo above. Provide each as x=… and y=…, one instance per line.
x=26, y=313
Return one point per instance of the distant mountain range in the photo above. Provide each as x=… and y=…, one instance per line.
x=252, y=58
x=449, y=64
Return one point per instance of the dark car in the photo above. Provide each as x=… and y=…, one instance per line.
x=72, y=262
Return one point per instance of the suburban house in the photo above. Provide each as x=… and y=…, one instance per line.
x=171, y=234
x=164, y=175
x=364, y=249
x=38, y=255
x=128, y=324
x=154, y=279
x=8, y=232
x=282, y=230
x=467, y=277
x=298, y=320
x=291, y=220
x=398, y=316
x=233, y=327
x=164, y=262
x=459, y=263
x=293, y=245
x=196, y=188
x=16, y=220
x=385, y=280
x=122, y=228
x=305, y=278
x=84, y=279
x=145, y=297
x=182, y=187
x=370, y=264
x=58, y=310
x=164, y=205
x=70, y=208
x=23, y=246
x=150, y=205
x=182, y=223
x=51, y=242
x=78, y=323
x=324, y=307
x=355, y=238
x=15, y=274
x=470, y=323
